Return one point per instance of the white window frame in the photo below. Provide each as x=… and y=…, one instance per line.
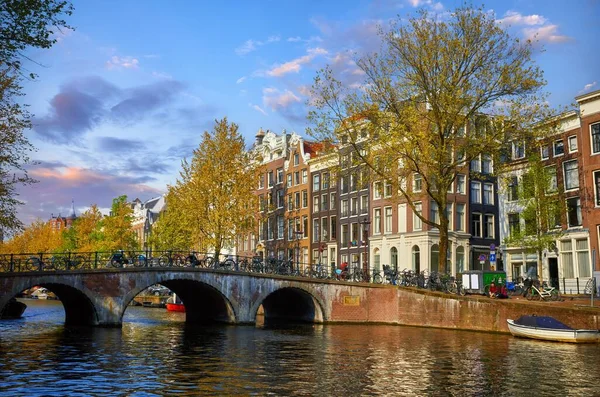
x=564, y=164
x=491, y=185
x=461, y=180
x=547, y=152
x=461, y=216
x=377, y=221
x=417, y=222
x=594, y=126
x=484, y=226
x=572, y=138
x=475, y=200
x=388, y=220
x=554, y=147
x=480, y=224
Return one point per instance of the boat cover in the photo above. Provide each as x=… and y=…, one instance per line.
x=541, y=322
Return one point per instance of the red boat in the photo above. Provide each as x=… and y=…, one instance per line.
x=174, y=304
x=175, y=307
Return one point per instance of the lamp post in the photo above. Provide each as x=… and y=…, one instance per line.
x=365, y=222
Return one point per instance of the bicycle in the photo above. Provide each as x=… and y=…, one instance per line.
x=590, y=286
x=118, y=259
x=543, y=293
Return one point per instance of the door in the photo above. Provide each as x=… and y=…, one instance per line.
x=553, y=269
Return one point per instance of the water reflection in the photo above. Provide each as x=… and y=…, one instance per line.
x=156, y=353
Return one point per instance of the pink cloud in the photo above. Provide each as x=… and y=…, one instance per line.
x=295, y=65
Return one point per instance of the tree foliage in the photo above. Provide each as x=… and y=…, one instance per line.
x=23, y=24
x=171, y=232
x=213, y=199
x=540, y=206
x=116, y=228
x=441, y=92
x=39, y=237
x=85, y=234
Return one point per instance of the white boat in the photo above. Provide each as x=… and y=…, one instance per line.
x=548, y=328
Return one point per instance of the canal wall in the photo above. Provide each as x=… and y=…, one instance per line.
x=423, y=308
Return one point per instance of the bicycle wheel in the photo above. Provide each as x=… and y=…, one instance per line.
x=554, y=295
x=377, y=279
x=486, y=290
x=452, y=288
x=462, y=291
x=529, y=294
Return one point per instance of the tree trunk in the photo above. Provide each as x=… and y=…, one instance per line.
x=443, y=253
x=539, y=265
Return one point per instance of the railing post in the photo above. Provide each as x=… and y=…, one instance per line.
x=564, y=286
x=577, y=285
x=12, y=263
x=96, y=260
x=68, y=261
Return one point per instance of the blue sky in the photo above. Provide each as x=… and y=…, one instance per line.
x=126, y=95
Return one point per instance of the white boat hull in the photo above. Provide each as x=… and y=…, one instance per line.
x=556, y=335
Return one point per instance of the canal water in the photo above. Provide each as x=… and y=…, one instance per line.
x=155, y=353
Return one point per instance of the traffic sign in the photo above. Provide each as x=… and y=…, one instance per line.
x=492, y=247
x=492, y=257
x=482, y=258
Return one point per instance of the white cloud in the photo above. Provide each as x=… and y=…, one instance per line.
x=252, y=45
x=295, y=65
x=161, y=75
x=240, y=80
x=515, y=18
x=422, y=3
x=258, y=109
x=275, y=99
x=294, y=39
x=588, y=87
x=546, y=34
x=116, y=62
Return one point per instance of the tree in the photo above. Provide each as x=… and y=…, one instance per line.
x=39, y=237
x=116, y=228
x=171, y=232
x=541, y=206
x=23, y=24
x=85, y=233
x=213, y=198
x=440, y=93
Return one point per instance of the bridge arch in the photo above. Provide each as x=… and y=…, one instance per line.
x=204, y=302
x=290, y=303
x=79, y=307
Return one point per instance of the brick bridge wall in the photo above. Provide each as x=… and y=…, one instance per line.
x=101, y=297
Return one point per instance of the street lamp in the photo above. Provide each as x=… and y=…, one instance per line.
x=365, y=222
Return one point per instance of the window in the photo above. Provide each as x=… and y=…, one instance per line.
x=595, y=130
x=304, y=199
x=434, y=213
x=304, y=176
x=325, y=181
x=289, y=180
x=518, y=150
x=316, y=182
x=488, y=226
x=280, y=175
x=333, y=200
x=305, y=226
x=280, y=227
x=475, y=192
x=486, y=164
x=353, y=183
x=435, y=255
x=280, y=199
x=324, y=202
x=345, y=235
x=552, y=181
x=261, y=181
x=449, y=215
x=333, y=227
x=559, y=148
x=513, y=188
x=572, y=143
x=344, y=184
x=315, y=203
x=571, y=175
x=296, y=178
x=315, y=234
x=574, y=212
x=461, y=184
x=394, y=258
x=566, y=256
x=387, y=189
x=270, y=178
x=354, y=237
x=597, y=187
x=417, y=223
x=388, y=219
x=364, y=204
x=290, y=229
x=514, y=224
x=460, y=259
x=324, y=229
x=290, y=203
x=354, y=206
x=344, y=207
x=417, y=183
x=377, y=221
x=377, y=190
x=488, y=194
x=297, y=200
x=476, y=225
x=296, y=158
x=460, y=217
x=545, y=152
x=270, y=228
x=583, y=263
x=475, y=165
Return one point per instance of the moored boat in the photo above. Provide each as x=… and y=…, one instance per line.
x=550, y=329
x=14, y=309
x=174, y=304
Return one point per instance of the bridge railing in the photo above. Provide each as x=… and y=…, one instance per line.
x=72, y=261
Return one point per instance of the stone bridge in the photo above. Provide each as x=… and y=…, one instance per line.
x=100, y=297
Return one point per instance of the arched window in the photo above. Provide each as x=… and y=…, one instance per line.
x=435, y=255
x=416, y=258
x=394, y=258
x=460, y=259
x=376, y=260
